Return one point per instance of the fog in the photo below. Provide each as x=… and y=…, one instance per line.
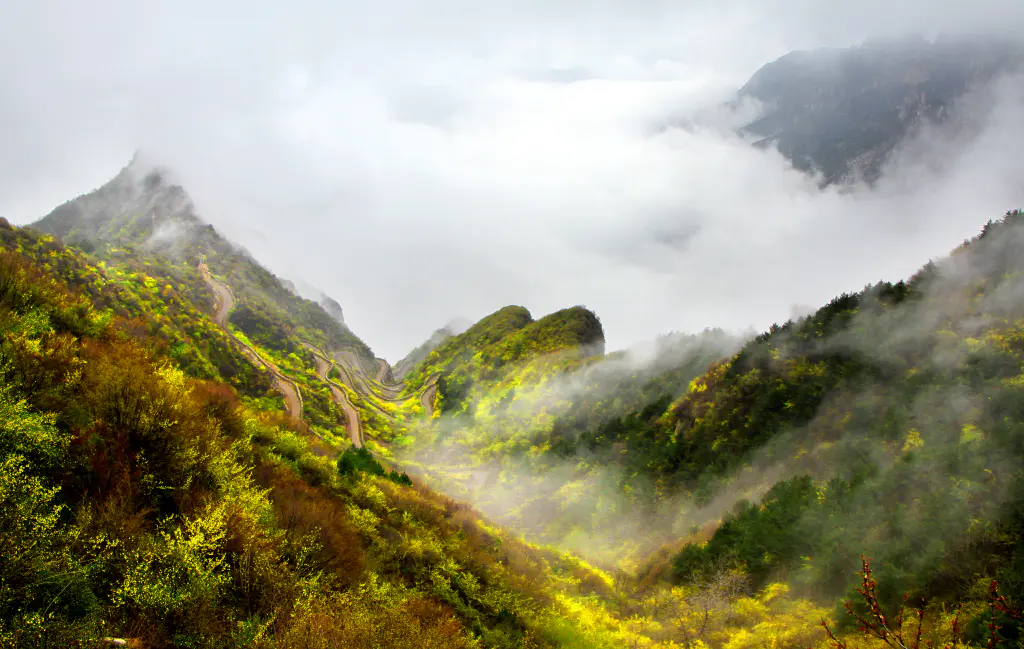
x=423, y=163
x=591, y=501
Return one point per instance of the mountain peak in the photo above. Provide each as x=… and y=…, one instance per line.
x=144, y=210
x=142, y=203
x=841, y=112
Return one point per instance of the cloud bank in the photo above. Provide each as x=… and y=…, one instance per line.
x=421, y=163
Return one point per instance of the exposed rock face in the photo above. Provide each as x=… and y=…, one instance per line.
x=332, y=308
x=416, y=356
x=841, y=112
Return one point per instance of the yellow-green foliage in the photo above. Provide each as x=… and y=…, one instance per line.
x=162, y=298
x=770, y=619
x=141, y=497
x=140, y=501
x=182, y=574
x=481, y=356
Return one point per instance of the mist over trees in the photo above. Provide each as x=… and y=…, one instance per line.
x=196, y=451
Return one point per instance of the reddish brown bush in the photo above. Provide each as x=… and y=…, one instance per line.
x=302, y=510
x=891, y=629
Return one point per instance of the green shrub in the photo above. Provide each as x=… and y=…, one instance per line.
x=360, y=460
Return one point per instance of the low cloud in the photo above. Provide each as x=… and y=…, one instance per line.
x=420, y=165
x=578, y=501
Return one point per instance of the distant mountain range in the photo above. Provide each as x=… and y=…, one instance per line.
x=842, y=112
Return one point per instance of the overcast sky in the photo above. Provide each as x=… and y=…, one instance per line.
x=423, y=161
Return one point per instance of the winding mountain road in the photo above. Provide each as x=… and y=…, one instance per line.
x=225, y=302
x=427, y=396
x=355, y=428
x=349, y=360
x=351, y=366
x=348, y=377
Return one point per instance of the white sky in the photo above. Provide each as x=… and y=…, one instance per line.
x=422, y=161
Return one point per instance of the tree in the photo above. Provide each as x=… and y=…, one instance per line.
x=899, y=633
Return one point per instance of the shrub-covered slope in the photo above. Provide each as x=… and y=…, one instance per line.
x=143, y=217
x=496, y=346
x=140, y=502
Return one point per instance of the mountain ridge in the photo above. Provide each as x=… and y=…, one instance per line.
x=667, y=443
x=842, y=112
x=144, y=209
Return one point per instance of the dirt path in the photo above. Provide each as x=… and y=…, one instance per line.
x=350, y=378
x=349, y=361
x=427, y=399
x=350, y=367
x=355, y=428
x=225, y=302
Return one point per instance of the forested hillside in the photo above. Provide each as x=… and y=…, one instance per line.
x=192, y=457
x=142, y=501
x=887, y=423
x=897, y=412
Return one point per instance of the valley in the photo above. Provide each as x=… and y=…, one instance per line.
x=615, y=500
x=198, y=452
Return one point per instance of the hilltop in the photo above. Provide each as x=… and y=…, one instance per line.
x=143, y=214
x=843, y=112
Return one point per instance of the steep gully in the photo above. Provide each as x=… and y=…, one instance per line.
x=349, y=365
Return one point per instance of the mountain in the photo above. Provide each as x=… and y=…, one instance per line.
x=193, y=455
x=142, y=502
x=143, y=213
x=174, y=477
x=842, y=112
x=885, y=424
x=416, y=356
